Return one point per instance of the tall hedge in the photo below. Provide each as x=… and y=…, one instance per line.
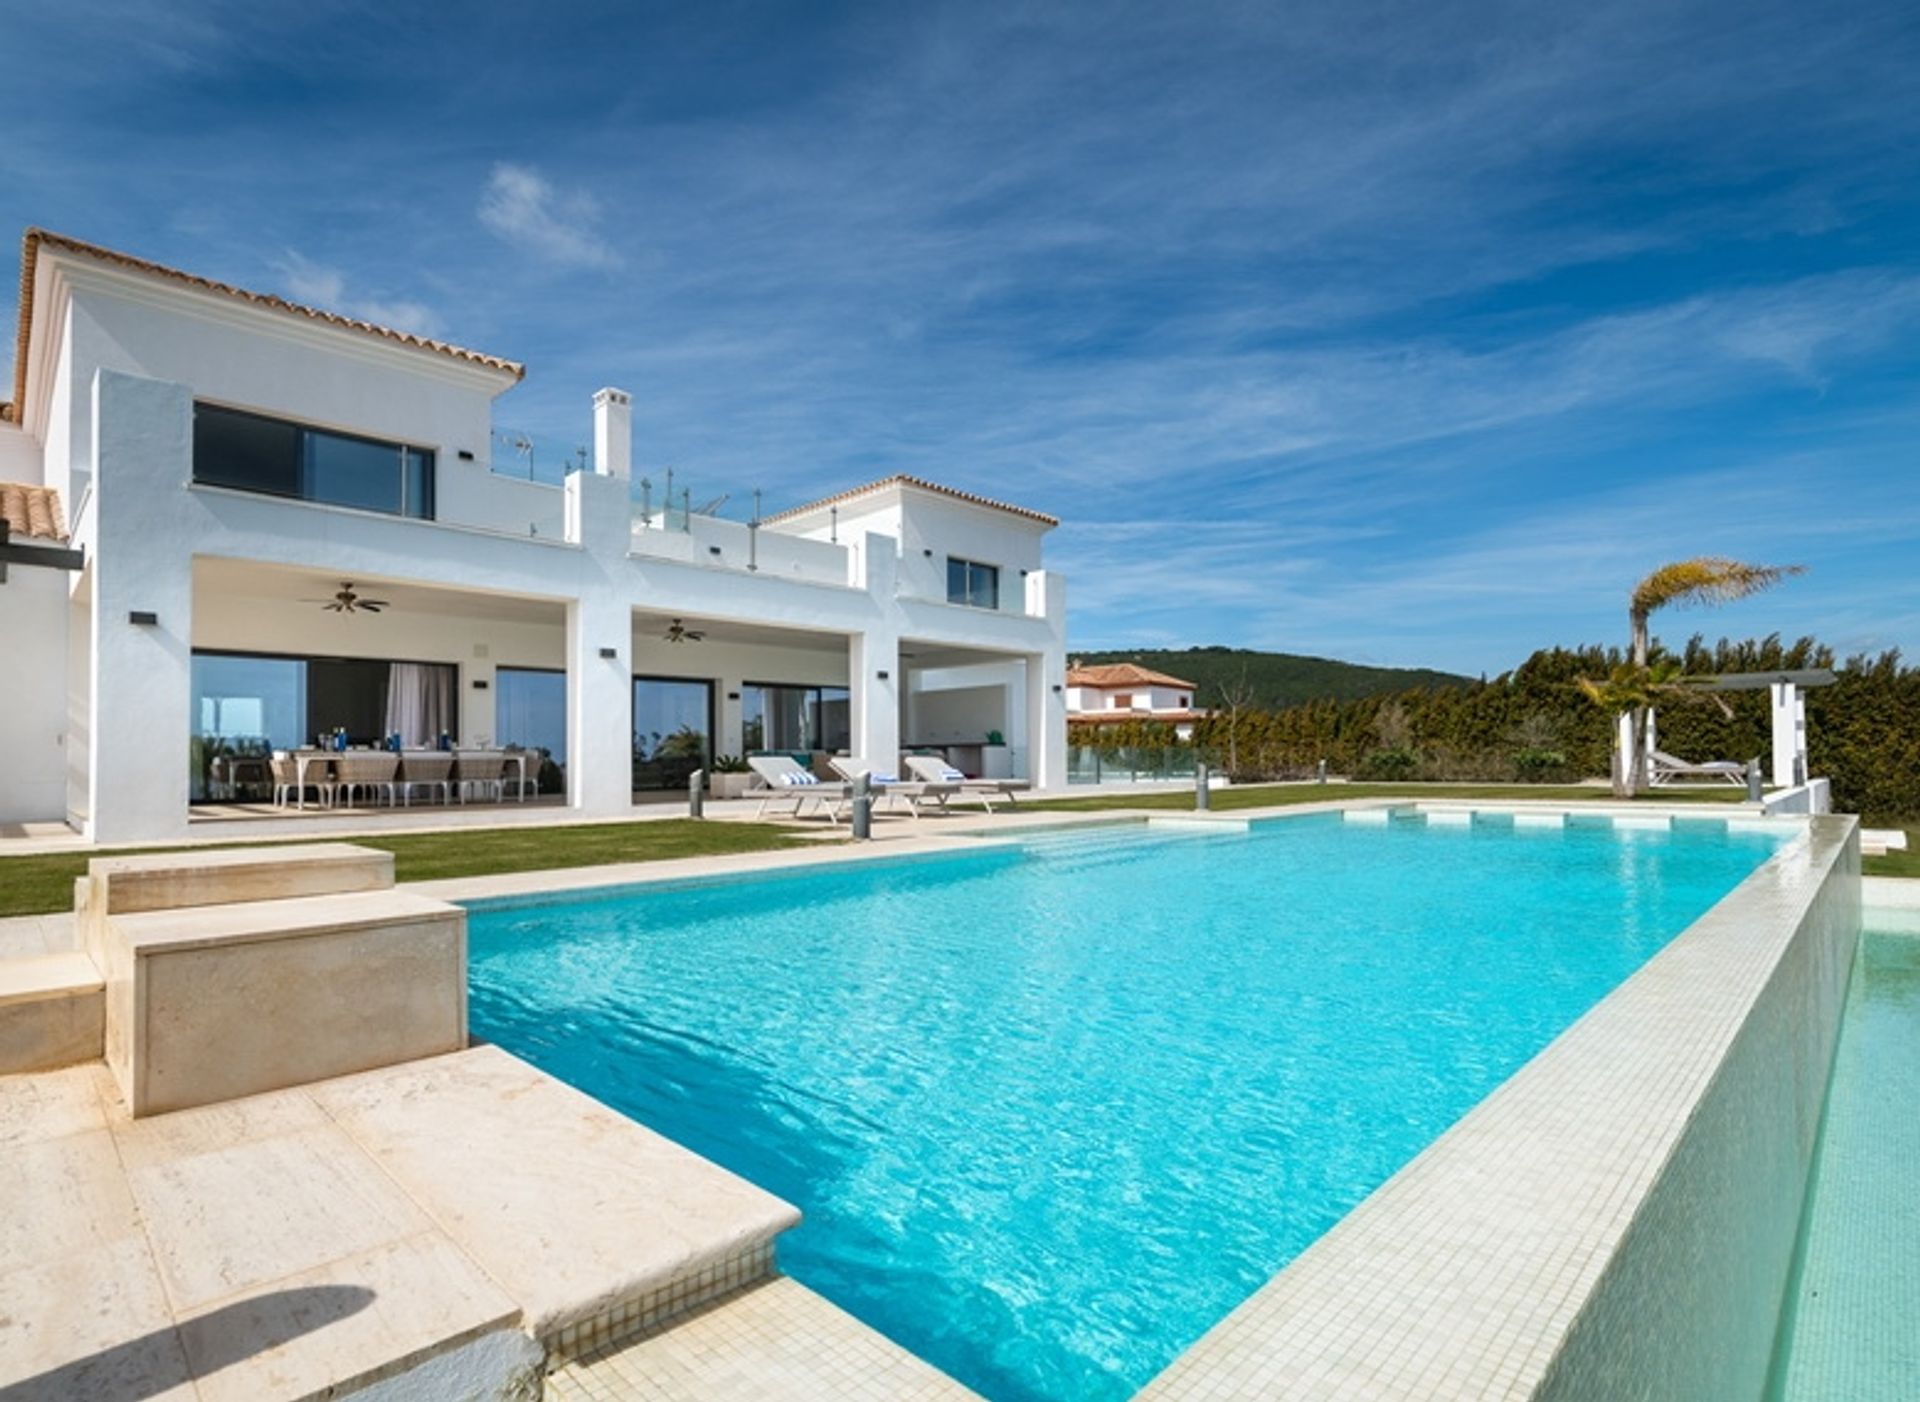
x=1534, y=723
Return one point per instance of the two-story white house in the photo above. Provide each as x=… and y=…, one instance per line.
x=202, y=478
x=1117, y=691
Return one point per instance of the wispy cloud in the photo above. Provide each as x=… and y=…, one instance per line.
x=522, y=207
x=1408, y=332
x=326, y=288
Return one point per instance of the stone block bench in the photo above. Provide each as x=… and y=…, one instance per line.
x=236, y=971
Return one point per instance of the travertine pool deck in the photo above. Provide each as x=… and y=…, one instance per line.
x=331, y=1236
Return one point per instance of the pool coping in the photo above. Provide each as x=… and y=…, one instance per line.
x=1380, y=1340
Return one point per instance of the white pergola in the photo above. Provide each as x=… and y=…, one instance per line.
x=1787, y=689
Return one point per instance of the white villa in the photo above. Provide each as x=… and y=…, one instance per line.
x=194, y=472
x=1117, y=691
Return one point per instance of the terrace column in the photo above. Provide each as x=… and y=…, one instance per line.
x=600, y=649
x=139, y=686
x=1046, y=684
x=874, y=681
x=1046, y=704
x=873, y=690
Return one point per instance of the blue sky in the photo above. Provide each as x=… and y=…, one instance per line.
x=1404, y=333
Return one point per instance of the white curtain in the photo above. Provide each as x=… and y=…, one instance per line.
x=419, y=702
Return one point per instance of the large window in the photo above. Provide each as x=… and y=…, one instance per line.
x=247, y=705
x=971, y=583
x=775, y=717
x=259, y=454
x=672, y=730
x=530, y=710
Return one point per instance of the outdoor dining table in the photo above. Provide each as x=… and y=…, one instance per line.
x=303, y=758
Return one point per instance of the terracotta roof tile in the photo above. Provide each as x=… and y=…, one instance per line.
x=32, y=512
x=901, y=479
x=1115, y=717
x=36, y=239
x=1121, y=674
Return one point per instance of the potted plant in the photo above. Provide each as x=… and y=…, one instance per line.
x=730, y=777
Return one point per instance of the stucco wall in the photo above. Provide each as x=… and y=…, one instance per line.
x=929, y=528
x=33, y=694
x=275, y=365
x=19, y=456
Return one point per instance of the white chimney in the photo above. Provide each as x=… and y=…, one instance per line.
x=613, y=433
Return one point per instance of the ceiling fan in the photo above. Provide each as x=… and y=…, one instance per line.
x=678, y=632
x=346, y=601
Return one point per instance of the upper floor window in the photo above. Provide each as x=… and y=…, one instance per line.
x=1123, y=701
x=260, y=454
x=973, y=584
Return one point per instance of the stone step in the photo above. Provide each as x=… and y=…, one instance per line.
x=595, y=1224
x=170, y=880
x=775, y=1338
x=208, y=1003
x=51, y=1011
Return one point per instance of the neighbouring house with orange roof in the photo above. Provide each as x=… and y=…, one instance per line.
x=244, y=535
x=1109, y=692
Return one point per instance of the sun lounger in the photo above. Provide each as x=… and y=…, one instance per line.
x=917, y=794
x=783, y=778
x=1664, y=769
x=934, y=770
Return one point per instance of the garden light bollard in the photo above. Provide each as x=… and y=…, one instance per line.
x=1753, y=780
x=1202, y=796
x=697, y=794
x=1323, y=771
x=862, y=808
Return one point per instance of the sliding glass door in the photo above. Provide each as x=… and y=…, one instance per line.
x=247, y=705
x=672, y=731
x=530, y=710
x=794, y=718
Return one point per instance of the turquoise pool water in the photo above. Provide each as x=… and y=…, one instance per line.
x=1852, y=1327
x=1052, y=1110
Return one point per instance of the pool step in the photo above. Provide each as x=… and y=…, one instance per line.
x=52, y=1011
x=598, y=1227
x=772, y=1339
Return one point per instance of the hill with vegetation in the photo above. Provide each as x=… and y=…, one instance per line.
x=1273, y=680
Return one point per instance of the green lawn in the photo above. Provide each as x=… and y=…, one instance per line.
x=1274, y=795
x=40, y=884
x=1905, y=863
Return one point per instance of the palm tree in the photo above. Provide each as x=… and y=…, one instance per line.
x=1706, y=579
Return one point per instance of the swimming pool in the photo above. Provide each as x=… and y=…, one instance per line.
x=1053, y=1108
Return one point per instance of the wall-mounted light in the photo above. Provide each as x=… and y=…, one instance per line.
x=1057, y=686
x=733, y=696
x=881, y=675
x=479, y=685
x=609, y=652
x=927, y=553
x=713, y=550
x=143, y=619
x=465, y=455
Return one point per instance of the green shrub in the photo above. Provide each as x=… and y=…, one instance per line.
x=1538, y=766
x=1390, y=764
